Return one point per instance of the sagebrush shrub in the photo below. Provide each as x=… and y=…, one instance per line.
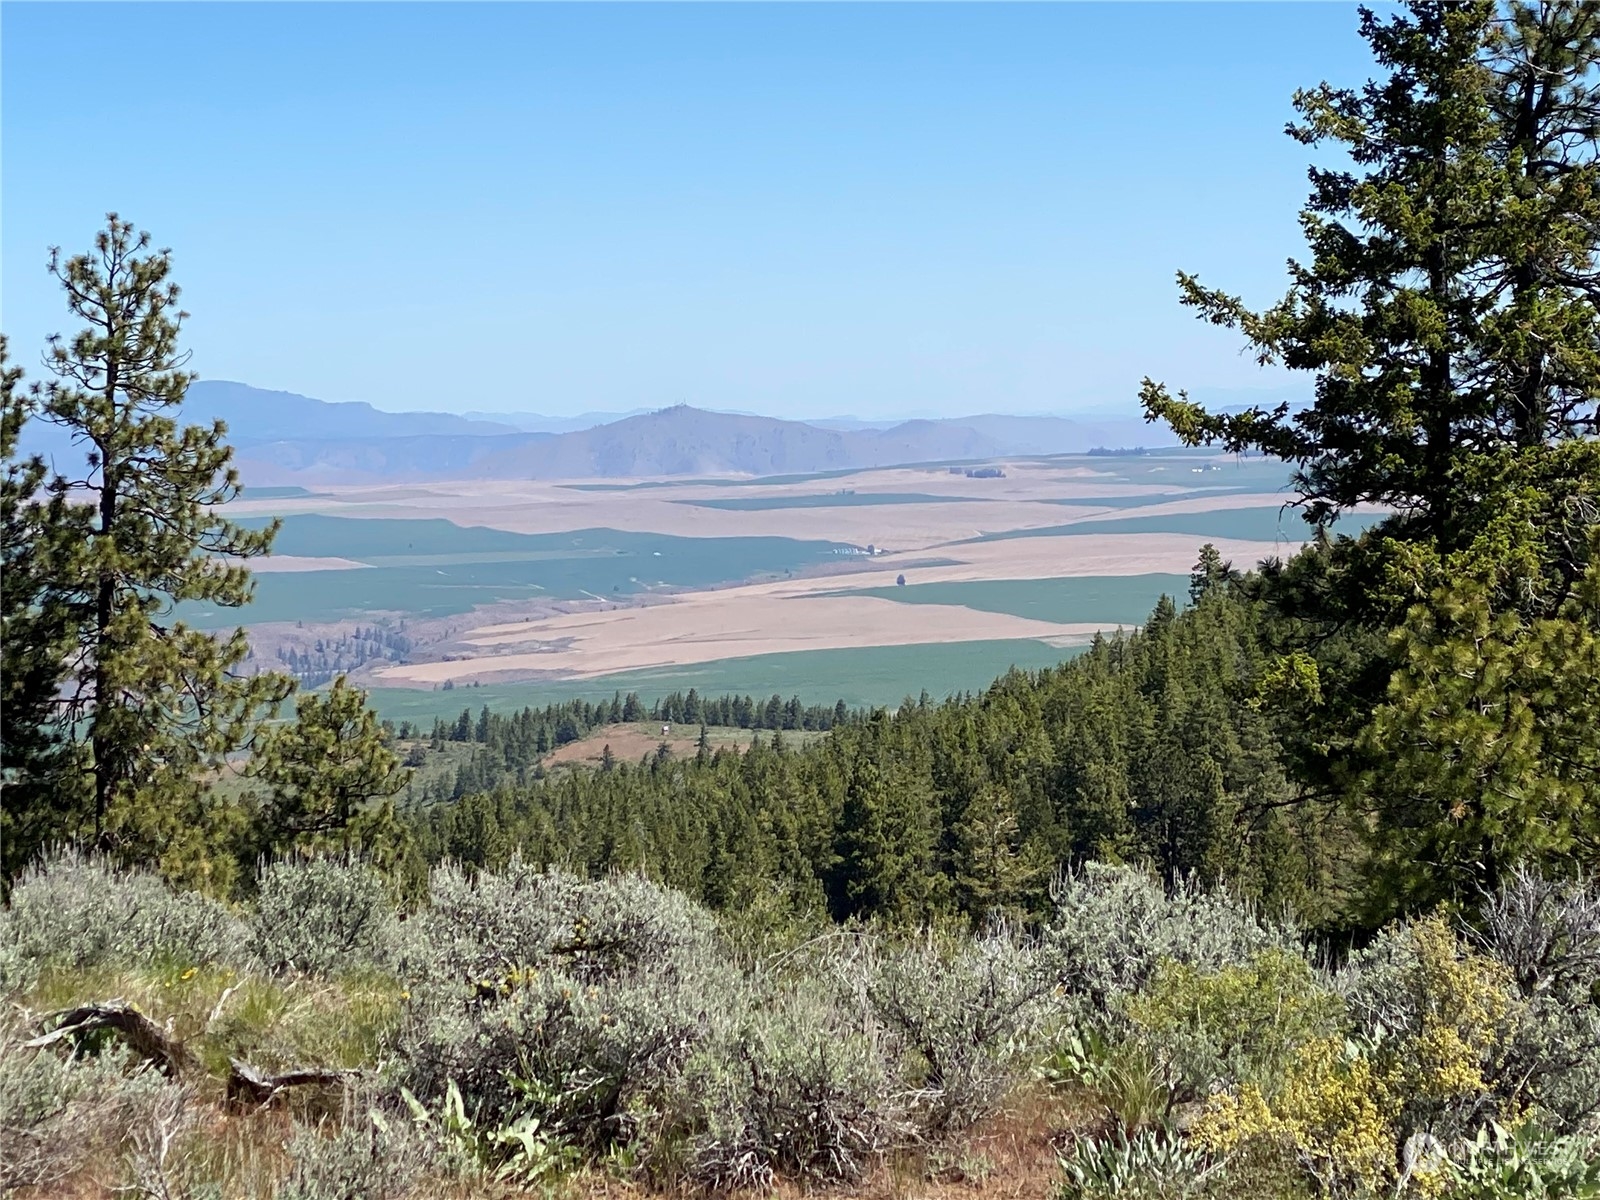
x=1113, y=927
x=374, y=1156
x=59, y=1111
x=323, y=916
x=587, y=996
x=798, y=1086
x=1547, y=934
x=961, y=1015
x=78, y=911
x=612, y=1014
x=478, y=929
x=589, y=1057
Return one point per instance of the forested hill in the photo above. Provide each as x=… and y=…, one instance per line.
x=1148, y=748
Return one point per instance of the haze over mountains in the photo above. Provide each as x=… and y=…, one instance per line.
x=284, y=438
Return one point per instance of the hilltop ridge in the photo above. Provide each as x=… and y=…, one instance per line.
x=286, y=438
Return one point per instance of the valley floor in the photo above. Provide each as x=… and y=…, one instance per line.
x=546, y=584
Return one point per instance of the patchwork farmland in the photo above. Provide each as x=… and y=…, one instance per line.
x=860, y=584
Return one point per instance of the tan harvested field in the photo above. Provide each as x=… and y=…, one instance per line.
x=706, y=626
x=767, y=618
x=1029, y=497
x=1063, y=557
x=284, y=563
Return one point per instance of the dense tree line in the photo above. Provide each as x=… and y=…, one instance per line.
x=532, y=732
x=1146, y=748
x=328, y=658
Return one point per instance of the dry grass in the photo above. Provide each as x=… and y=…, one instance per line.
x=1012, y=1156
x=218, y=1014
x=629, y=743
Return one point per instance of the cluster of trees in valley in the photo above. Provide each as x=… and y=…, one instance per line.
x=326, y=658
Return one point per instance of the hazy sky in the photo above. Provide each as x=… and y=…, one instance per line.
x=804, y=210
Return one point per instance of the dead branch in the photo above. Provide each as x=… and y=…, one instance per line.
x=144, y=1036
x=251, y=1085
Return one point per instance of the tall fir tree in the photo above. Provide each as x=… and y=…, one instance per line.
x=1448, y=311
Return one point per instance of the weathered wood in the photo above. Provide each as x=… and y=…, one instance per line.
x=246, y=1084
x=251, y=1085
x=143, y=1036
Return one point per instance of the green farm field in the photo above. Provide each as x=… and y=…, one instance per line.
x=433, y=568
x=769, y=591
x=877, y=675
x=1265, y=524
x=1109, y=600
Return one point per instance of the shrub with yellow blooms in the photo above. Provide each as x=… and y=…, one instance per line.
x=1431, y=1018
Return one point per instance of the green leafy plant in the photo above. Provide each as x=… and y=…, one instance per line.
x=536, y=1156
x=1075, y=1058
x=1153, y=1164
x=1525, y=1164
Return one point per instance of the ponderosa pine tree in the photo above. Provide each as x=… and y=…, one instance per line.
x=327, y=773
x=1448, y=311
x=155, y=702
x=1447, y=305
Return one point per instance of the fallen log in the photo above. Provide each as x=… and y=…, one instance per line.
x=246, y=1084
x=147, y=1039
x=250, y=1085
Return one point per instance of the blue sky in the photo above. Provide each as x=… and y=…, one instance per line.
x=803, y=210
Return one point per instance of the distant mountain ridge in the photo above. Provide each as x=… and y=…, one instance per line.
x=256, y=414
x=285, y=438
x=690, y=441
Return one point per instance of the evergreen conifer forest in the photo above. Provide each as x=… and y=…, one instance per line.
x=1291, y=892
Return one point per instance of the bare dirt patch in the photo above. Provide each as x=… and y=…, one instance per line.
x=629, y=743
